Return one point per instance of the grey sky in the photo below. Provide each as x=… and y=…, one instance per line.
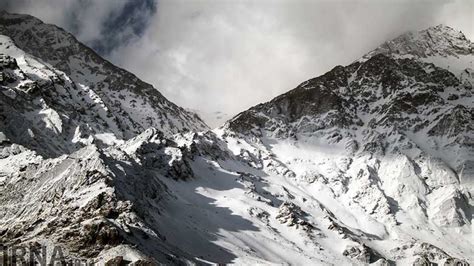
x=229, y=55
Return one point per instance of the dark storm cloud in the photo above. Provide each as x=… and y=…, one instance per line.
x=103, y=25
x=129, y=24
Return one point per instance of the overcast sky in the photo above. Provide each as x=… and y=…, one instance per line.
x=229, y=55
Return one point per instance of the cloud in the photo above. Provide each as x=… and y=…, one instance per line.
x=229, y=55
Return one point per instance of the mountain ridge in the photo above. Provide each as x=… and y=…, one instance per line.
x=124, y=105
x=436, y=40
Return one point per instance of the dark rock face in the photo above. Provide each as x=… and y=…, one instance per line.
x=389, y=90
x=292, y=215
x=117, y=261
x=395, y=84
x=311, y=98
x=364, y=254
x=457, y=120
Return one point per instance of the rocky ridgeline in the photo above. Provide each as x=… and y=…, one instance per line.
x=440, y=40
x=397, y=94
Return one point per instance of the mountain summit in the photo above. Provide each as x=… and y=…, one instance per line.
x=440, y=40
x=370, y=163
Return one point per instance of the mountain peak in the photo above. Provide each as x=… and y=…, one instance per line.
x=444, y=29
x=440, y=40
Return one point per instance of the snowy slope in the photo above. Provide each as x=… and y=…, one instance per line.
x=371, y=163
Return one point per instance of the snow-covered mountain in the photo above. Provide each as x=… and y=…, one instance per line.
x=370, y=163
x=59, y=95
x=390, y=136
